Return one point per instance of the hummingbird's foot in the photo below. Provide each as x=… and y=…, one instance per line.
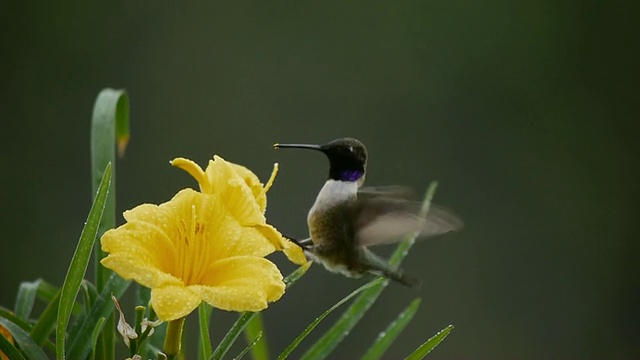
x=305, y=244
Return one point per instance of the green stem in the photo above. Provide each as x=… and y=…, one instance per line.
x=135, y=343
x=204, y=313
x=173, y=338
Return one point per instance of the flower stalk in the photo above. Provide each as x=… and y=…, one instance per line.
x=173, y=338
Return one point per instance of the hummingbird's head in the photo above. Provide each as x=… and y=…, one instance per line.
x=347, y=158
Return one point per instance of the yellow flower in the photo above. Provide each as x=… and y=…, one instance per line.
x=207, y=246
x=234, y=182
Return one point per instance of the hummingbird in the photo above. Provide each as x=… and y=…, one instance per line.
x=347, y=218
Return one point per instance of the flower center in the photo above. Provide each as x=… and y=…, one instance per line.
x=193, y=250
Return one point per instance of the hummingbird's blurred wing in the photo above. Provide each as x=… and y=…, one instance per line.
x=391, y=191
x=386, y=217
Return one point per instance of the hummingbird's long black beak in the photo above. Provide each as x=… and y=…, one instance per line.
x=298, y=146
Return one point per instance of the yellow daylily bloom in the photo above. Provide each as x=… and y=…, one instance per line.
x=191, y=249
x=238, y=182
x=202, y=246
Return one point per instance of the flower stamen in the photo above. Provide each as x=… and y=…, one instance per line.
x=272, y=178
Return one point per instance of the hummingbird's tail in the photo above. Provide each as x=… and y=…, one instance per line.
x=380, y=267
x=404, y=279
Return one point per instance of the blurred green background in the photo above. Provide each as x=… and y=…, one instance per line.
x=523, y=111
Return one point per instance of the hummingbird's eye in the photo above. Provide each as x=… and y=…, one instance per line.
x=350, y=149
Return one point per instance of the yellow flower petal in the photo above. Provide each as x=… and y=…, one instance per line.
x=242, y=283
x=220, y=174
x=130, y=256
x=250, y=242
x=259, y=191
x=234, y=192
x=168, y=217
x=194, y=170
x=230, y=236
x=174, y=302
x=293, y=252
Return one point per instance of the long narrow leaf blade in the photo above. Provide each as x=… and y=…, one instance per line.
x=430, y=344
x=109, y=127
x=7, y=314
x=81, y=336
x=330, y=340
x=26, y=297
x=24, y=341
x=79, y=262
x=47, y=291
x=43, y=327
x=323, y=347
x=237, y=328
x=9, y=350
x=315, y=323
x=391, y=333
x=96, y=333
x=260, y=350
x=296, y=275
x=231, y=336
x=249, y=347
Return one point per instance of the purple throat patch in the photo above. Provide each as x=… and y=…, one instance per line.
x=350, y=175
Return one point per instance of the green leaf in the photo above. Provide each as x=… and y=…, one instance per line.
x=296, y=275
x=204, y=342
x=23, y=340
x=80, y=335
x=425, y=348
x=387, y=337
x=237, y=328
x=7, y=314
x=109, y=127
x=315, y=323
x=43, y=327
x=25, y=298
x=9, y=350
x=79, y=262
x=231, y=336
x=96, y=333
x=47, y=291
x=325, y=345
x=328, y=342
x=90, y=294
x=249, y=347
x=260, y=350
